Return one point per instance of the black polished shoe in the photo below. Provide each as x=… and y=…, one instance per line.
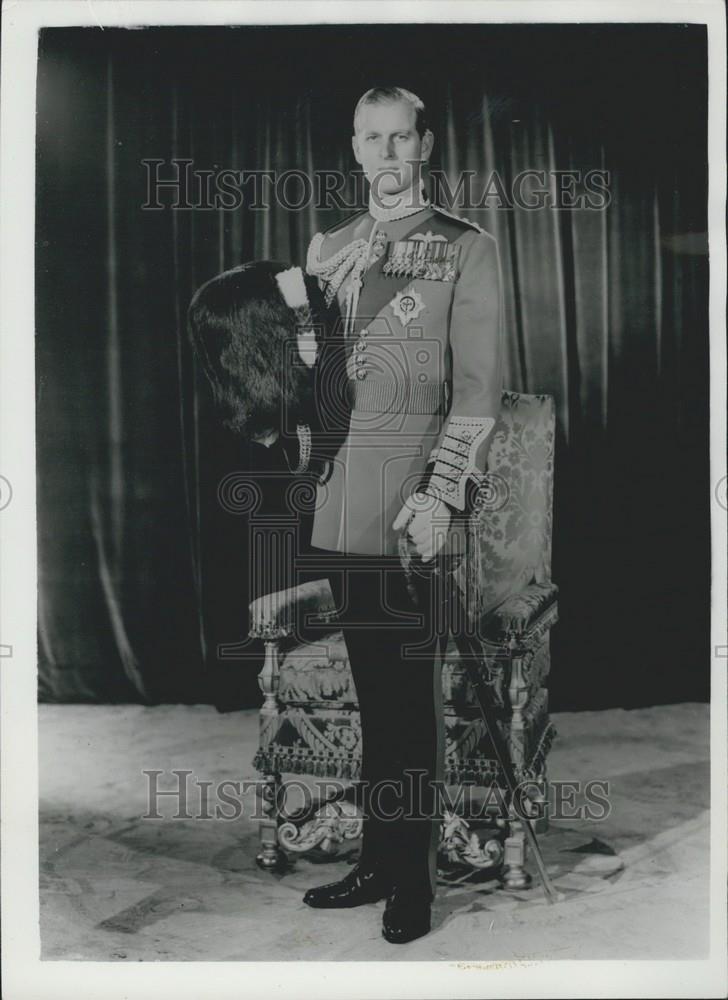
x=406, y=916
x=360, y=886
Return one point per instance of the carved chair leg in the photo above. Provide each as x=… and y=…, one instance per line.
x=270, y=857
x=269, y=789
x=515, y=876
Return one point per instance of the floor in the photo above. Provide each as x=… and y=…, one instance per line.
x=117, y=886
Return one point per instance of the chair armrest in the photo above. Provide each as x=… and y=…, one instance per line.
x=522, y=617
x=274, y=616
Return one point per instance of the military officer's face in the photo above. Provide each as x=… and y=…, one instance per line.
x=388, y=146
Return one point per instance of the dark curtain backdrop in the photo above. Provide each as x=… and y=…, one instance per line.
x=141, y=573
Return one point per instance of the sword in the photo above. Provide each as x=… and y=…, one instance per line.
x=441, y=567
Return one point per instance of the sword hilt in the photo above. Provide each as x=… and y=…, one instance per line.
x=415, y=566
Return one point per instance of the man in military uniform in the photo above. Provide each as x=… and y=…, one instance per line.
x=419, y=294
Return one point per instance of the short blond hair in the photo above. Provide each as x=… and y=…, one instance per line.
x=389, y=95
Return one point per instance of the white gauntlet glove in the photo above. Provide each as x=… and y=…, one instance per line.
x=427, y=520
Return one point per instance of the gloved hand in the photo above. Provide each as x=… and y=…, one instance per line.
x=427, y=521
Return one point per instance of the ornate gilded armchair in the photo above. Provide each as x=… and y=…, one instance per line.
x=309, y=722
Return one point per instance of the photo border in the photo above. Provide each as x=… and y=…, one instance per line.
x=24, y=974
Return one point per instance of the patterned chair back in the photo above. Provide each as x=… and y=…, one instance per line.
x=511, y=528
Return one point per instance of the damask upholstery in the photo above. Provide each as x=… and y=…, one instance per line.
x=511, y=533
x=310, y=721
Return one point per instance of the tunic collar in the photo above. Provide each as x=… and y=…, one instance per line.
x=401, y=205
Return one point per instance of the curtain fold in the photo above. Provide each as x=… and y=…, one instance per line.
x=142, y=573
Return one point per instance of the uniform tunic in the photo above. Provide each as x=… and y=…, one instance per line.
x=422, y=349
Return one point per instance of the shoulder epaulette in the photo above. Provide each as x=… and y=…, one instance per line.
x=468, y=223
x=338, y=226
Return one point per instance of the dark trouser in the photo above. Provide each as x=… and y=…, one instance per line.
x=398, y=702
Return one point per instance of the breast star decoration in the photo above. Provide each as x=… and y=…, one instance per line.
x=407, y=305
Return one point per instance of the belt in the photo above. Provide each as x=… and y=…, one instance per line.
x=390, y=396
